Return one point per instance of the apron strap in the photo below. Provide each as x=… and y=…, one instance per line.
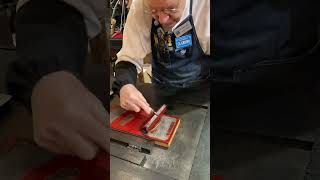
x=190, y=8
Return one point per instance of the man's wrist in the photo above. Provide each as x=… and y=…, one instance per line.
x=126, y=73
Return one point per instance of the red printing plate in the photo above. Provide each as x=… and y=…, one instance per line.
x=136, y=123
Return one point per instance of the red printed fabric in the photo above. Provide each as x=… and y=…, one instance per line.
x=217, y=178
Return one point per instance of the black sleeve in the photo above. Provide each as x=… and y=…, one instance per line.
x=126, y=73
x=51, y=36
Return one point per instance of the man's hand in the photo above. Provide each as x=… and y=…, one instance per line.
x=132, y=99
x=67, y=118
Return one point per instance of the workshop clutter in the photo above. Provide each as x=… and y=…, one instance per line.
x=7, y=30
x=146, y=75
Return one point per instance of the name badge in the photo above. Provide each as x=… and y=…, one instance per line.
x=181, y=30
x=184, y=41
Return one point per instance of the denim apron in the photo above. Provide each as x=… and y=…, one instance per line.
x=177, y=61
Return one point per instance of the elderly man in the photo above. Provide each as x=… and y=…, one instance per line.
x=177, y=34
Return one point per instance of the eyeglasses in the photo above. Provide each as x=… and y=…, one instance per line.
x=168, y=11
x=157, y=12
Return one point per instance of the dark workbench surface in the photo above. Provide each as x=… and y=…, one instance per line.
x=189, y=155
x=263, y=135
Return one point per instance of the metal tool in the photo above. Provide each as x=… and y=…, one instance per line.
x=155, y=113
x=154, y=121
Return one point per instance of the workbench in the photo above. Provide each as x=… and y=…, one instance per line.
x=188, y=157
x=263, y=135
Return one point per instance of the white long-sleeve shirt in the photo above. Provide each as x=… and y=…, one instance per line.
x=91, y=10
x=136, y=37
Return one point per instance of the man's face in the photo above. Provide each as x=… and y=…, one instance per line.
x=166, y=12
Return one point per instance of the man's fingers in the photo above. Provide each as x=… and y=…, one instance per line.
x=82, y=147
x=134, y=107
x=145, y=106
x=141, y=97
x=132, y=99
x=51, y=140
x=129, y=106
x=97, y=133
x=52, y=146
x=100, y=114
x=142, y=102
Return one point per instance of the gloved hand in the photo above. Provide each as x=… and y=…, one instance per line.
x=67, y=118
x=132, y=99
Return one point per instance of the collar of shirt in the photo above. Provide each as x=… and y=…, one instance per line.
x=185, y=13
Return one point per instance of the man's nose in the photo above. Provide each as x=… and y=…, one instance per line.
x=163, y=18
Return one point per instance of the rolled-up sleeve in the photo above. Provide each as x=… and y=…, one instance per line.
x=136, y=36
